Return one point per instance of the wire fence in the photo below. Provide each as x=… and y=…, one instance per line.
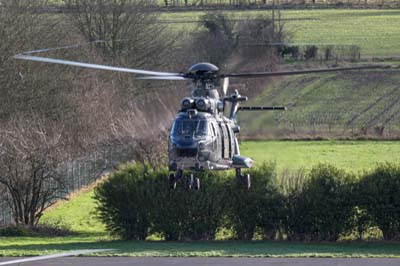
x=78, y=174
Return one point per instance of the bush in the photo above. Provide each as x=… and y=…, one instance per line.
x=42, y=230
x=15, y=230
x=257, y=207
x=196, y=215
x=322, y=206
x=379, y=195
x=311, y=52
x=136, y=201
x=322, y=209
x=126, y=199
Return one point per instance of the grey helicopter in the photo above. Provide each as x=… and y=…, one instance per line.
x=202, y=137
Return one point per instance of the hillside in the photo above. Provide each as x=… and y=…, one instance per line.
x=342, y=104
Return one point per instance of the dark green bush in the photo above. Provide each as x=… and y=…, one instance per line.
x=126, y=201
x=380, y=196
x=258, y=206
x=322, y=206
x=41, y=230
x=136, y=201
x=195, y=215
x=322, y=209
x=15, y=230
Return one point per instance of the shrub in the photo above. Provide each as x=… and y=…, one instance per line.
x=43, y=230
x=311, y=52
x=322, y=209
x=255, y=207
x=136, y=201
x=379, y=195
x=195, y=215
x=15, y=230
x=125, y=201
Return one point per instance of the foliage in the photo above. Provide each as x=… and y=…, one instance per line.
x=379, y=195
x=258, y=207
x=323, y=206
x=136, y=200
x=180, y=215
x=36, y=231
x=126, y=201
x=14, y=230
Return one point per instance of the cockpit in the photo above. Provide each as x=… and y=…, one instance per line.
x=189, y=127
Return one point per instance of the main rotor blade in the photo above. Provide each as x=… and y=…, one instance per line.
x=92, y=66
x=163, y=78
x=299, y=72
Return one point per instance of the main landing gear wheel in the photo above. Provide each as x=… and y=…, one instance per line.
x=171, y=181
x=173, y=178
x=193, y=182
x=243, y=180
x=246, y=181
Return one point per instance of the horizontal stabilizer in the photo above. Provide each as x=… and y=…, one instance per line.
x=262, y=108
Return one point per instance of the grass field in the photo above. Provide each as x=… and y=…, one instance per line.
x=377, y=32
x=350, y=155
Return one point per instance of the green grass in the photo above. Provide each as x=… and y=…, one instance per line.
x=39, y=246
x=352, y=156
x=78, y=215
x=377, y=32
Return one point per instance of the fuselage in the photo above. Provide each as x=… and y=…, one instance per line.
x=201, y=141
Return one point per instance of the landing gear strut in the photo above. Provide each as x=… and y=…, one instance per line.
x=172, y=178
x=244, y=180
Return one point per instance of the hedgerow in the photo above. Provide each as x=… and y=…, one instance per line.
x=136, y=202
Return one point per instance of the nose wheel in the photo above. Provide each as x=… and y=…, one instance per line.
x=190, y=183
x=243, y=180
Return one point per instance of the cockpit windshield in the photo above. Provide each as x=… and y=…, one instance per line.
x=186, y=127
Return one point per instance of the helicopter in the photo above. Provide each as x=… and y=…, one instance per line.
x=202, y=137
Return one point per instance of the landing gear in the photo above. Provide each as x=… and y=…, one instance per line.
x=190, y=182
x=171, y=181
x=193, y=182
x=243, y=180
x=172, y=178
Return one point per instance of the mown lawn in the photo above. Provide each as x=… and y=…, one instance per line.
x=37, y=246
x=352, y=156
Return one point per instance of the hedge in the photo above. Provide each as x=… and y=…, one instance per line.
x=136, y=202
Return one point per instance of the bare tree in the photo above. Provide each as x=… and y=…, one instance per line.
x=133, y=34
x=29, y=159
